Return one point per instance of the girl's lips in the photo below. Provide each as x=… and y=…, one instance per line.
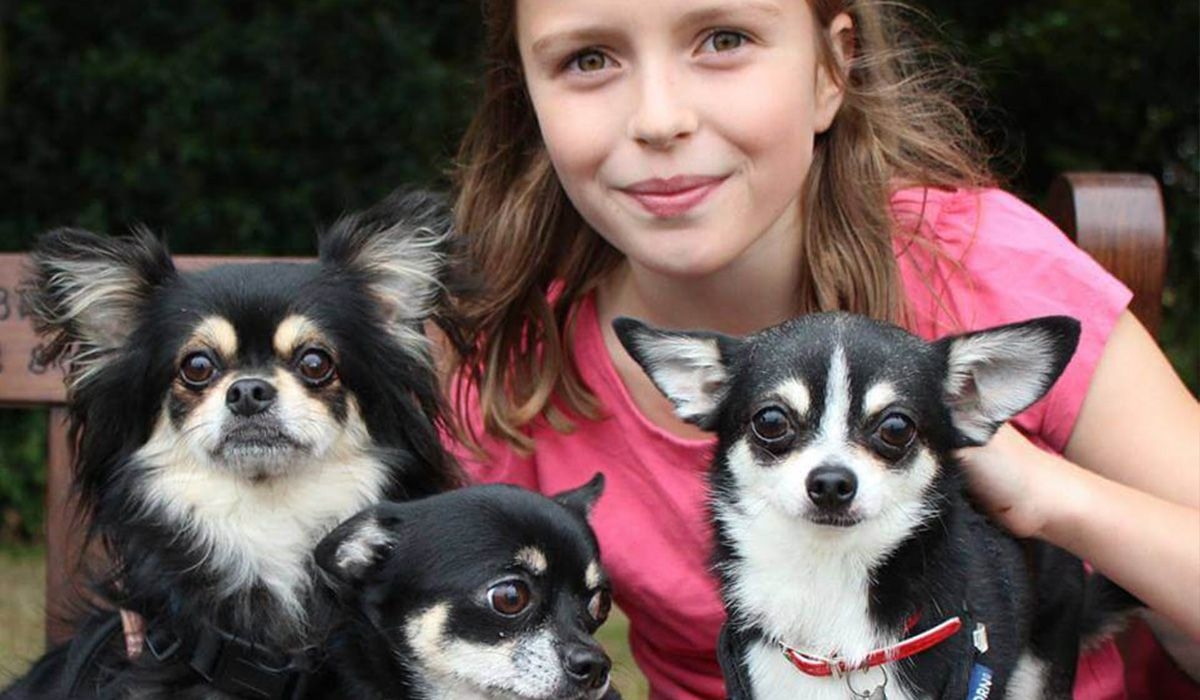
x=673, y=196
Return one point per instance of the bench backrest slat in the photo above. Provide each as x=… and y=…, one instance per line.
x=23, y=380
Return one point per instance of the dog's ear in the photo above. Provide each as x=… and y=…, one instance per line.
x=348, y=554
x=398, y=250
x=689, y=368
x=85, y=291
x=994, y=374
x=583, y=498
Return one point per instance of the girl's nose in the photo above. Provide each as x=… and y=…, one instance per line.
x=663, y=114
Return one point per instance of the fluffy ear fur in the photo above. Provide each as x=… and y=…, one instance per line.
x=85, y=291
x=992, y=375
x=358, y=545
x=689, y=368
x=398, y=248
x=582, y=499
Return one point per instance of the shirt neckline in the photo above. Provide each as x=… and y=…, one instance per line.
x=594, y=360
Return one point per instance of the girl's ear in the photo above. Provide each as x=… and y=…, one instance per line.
x=831, y=87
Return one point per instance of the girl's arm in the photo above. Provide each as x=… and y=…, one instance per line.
x=1126, y=497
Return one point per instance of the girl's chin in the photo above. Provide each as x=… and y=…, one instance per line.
x=682, y=264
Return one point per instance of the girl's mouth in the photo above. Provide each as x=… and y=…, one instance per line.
x=675, y=196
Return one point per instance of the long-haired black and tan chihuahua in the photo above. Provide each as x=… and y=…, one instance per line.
x=227, y=420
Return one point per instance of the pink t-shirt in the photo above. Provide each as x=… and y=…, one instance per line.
x=999, y=261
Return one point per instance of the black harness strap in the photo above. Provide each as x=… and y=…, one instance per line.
x=233, y=665
x=79, y=664
x=731, y=646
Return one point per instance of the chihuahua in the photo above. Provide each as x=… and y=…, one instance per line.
x=851, y=562
x=486, y=592
x=226, y=421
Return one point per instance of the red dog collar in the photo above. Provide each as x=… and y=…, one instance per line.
x=820, y=666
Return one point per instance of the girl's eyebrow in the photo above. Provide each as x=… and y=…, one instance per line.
x=570, y=38
x=712, y=13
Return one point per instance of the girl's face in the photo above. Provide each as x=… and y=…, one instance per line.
x=682, y=130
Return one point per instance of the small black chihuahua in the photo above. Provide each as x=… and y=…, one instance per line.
x=488, y=592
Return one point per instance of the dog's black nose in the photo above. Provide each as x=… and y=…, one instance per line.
x=831, y=487
x=249, y=396
x=587, y=666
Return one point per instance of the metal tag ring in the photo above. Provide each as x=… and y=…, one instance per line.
x=866, y=693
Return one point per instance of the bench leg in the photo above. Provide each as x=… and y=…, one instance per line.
x=63, y=532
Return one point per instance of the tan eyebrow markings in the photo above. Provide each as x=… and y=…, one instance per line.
x=796, y=394
x=591, y=578
x=293, y=331
x=217, y=333
x=533, y=559
x=878, y=398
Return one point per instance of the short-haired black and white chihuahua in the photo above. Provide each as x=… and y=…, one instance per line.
x=486, y=592
x=227, y=420
x=851, y=562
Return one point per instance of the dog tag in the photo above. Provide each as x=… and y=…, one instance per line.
x=880, y=692
x=979, y=637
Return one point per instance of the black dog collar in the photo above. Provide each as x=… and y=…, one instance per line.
x=233, y=665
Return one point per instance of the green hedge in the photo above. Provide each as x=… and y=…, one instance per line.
x=229, y=126
x=1099, y=85
x=247, y=126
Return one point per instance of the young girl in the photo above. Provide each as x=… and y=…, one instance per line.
x=728, y=164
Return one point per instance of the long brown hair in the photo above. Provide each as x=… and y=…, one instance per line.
x=900, y=123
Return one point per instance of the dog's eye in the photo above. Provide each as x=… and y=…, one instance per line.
x=772, y=426
x=315, y=365
x=599, y=606
x=509, y=598
x=197, y=370
x=896, y=431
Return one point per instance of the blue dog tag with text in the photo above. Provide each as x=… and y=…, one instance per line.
x=980, y=685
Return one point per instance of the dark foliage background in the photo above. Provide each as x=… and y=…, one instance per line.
x=238, y=126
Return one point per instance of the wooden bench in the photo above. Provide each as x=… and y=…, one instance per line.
x=1117, y=218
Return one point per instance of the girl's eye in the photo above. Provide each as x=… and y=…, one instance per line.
x=589, y=62
x=724, y=40
x=197, y=370
x=896, y=431
x=315, y=366
x=509, y=598
x=772, y=426
x=599, y=606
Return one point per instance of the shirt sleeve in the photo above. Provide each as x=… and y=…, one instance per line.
x=995, y=260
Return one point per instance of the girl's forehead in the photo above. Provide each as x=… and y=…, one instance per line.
x=538, y=21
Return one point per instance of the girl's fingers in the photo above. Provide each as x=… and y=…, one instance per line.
x=135, y=633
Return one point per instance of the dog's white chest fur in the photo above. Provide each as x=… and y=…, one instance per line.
x=808, y=590
x=805, y=586
x=260, y=533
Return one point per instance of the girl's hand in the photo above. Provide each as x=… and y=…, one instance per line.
x=1009, y=478
x=1125, y=496
x=135, y=633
